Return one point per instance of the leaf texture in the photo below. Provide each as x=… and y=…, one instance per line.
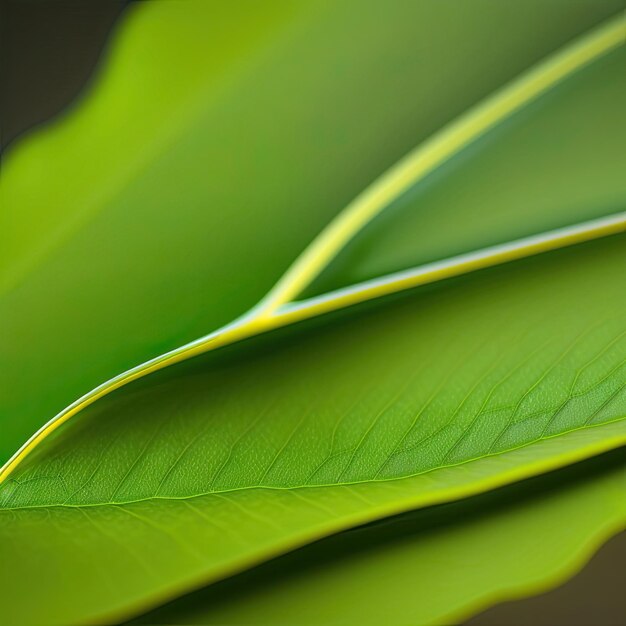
x=213, y=465
x=208, y=467
x=206, y=168
x=436, y=566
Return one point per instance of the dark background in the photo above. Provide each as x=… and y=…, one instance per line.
x=49, y=50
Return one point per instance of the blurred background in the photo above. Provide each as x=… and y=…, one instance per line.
x=49, y=52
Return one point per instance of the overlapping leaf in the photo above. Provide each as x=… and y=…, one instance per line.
x=213, y=465
x=217, y=143
x=536, y=531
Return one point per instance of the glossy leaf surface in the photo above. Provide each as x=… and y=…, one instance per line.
x=436, y=566
x=213, y=130
x=213, y=465
x=556, y=162
x=208, y=467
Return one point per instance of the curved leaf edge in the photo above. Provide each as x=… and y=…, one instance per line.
x=257, y=321
x=476, y=477
x=577, y=562
x=275, y=311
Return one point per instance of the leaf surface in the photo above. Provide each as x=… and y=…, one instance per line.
x=211, y=131
x=536, y=171
x=436, y=566
x=208, y=467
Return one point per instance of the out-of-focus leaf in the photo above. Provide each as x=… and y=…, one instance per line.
x=433, y=566
x=217, y=142
x=556, y=162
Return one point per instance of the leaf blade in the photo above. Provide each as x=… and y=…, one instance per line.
x=80, y=331
x=419, y=562
x=238, y=445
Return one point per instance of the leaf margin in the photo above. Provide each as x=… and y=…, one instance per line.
x=279, y=308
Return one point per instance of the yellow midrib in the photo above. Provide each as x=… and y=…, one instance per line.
x=437, y=150
x=278, y=309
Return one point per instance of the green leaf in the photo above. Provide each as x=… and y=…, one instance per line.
x=435, y=566
x=213, y=130
x=208, y=467
x=555, y=162
x=162, y=481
